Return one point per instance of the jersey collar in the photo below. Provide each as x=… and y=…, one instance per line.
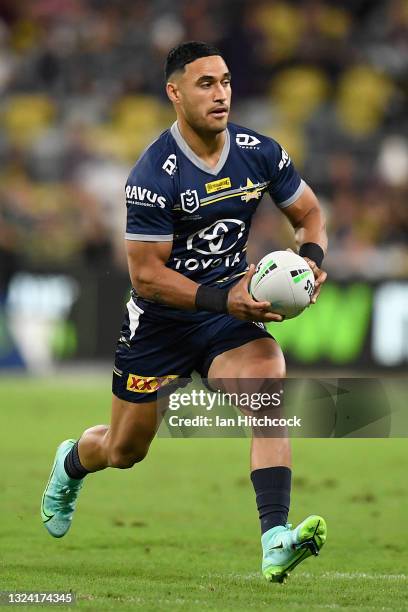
x=189, y=153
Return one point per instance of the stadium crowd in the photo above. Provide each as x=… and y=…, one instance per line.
x=82, y=93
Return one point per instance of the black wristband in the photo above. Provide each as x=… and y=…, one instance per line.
x=313, y=251
x=211, y=299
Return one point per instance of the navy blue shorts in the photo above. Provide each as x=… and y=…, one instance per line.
x=159, y=344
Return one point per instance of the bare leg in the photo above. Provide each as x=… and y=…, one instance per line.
x=258, y=359
x=270, y=452
x=124, y=442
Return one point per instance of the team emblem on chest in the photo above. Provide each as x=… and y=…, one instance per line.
x=253, y=191
x=189, y=200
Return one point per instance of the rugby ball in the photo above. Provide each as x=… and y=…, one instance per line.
x=284, y=279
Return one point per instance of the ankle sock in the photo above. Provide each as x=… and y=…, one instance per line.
x=272, y=489
x=73, y=465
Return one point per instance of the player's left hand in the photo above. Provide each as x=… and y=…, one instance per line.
x=320, y=278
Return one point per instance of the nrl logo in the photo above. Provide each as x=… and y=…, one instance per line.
x=189, y=200
x=254, y=194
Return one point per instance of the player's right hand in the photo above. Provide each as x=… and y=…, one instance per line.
x=242, y=306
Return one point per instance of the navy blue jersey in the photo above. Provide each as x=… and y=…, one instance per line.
x=172, y=195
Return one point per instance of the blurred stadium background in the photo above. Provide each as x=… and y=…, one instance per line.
x=81, y=95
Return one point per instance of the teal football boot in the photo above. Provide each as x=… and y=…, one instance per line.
x=284, y=548
x=60, y=495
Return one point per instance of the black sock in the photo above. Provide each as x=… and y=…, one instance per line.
x=73, y=465
x=272, y=489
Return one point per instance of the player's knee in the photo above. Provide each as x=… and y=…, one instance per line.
x=265, y=369
x=279, y=369
x=124, y=459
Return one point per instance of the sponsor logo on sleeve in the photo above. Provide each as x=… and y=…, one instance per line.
x=224, y=183
x=148, y=384
x=247, y=141
x=170, y=165
x=141, y=196
x=189, y=200
x=285, y=160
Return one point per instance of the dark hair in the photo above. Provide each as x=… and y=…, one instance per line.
x=185, y=53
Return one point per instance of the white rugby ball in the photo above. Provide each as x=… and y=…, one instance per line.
x=284, y=279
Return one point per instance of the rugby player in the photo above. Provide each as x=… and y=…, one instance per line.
x=190, y=199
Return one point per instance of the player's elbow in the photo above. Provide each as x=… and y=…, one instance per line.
x=313, y=220
x=144, y=280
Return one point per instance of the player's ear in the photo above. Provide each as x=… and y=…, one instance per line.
x=173, y=92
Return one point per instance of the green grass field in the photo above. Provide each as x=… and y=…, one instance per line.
x=180, y=531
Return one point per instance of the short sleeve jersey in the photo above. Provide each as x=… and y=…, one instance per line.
x=172, y=195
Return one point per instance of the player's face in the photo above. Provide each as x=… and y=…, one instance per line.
x=202, y=94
